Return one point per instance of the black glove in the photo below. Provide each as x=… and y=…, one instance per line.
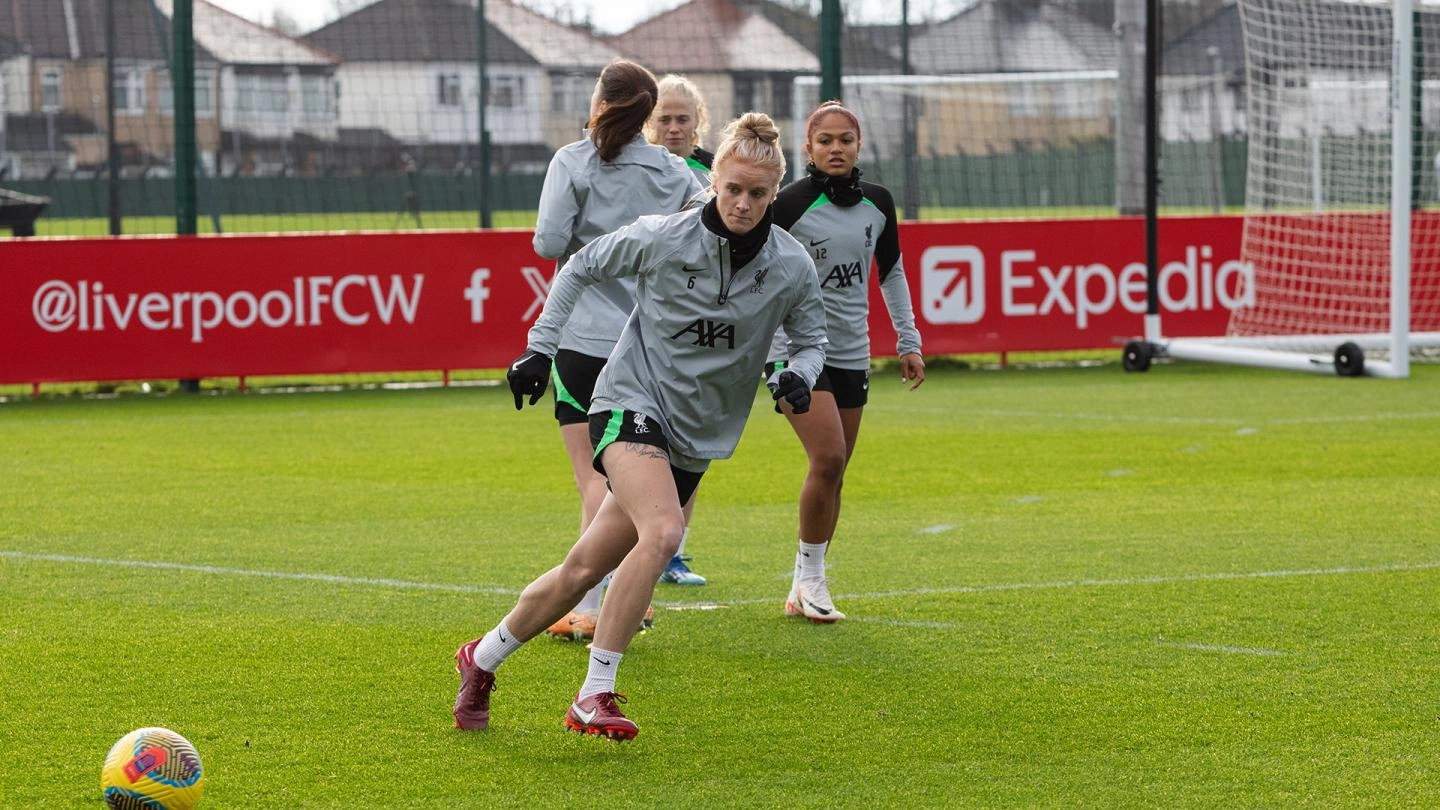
x=792, y=388
x=528, y=375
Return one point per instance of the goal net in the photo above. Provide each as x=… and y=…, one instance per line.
x=1342, y=165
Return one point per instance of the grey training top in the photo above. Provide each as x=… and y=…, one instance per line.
x=843, y=241
x=691, y=351
x=583, y=198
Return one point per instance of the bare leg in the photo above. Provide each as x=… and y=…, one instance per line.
x=589, y=483
x=610, y=536
x=822, y=434
x=644, y=490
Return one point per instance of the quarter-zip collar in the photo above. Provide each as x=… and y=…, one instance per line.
x=843, y=191
x=743, y=247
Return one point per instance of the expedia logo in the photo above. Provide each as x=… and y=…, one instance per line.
x=952, y=284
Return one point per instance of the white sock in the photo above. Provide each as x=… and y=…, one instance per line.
x=601, y=675
x=495, y=647
x=683, y=535
x=810, y=560
x=590, y=602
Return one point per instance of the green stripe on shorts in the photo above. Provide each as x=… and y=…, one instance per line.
x=562, y=395
x=612, y=431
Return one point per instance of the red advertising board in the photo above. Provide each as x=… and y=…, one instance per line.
x=134, y=308
x=1071, y=284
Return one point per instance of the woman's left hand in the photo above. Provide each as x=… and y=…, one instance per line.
x=912, y=369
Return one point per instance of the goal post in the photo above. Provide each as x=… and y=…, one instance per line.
x=1345, y=260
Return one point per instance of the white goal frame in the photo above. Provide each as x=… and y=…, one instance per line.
x=1280, y=352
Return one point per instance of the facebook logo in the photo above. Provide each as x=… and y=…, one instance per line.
x=952, y=284
x=477, y=294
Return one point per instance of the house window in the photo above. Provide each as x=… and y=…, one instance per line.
x=315, y=95
x=571, y=94
x=448, y=90
x=784, y=95
x=1025, y=101
x=746, y=93
x=129, y=90
x=506, y=91
x=204, y=93
x=262, y=94
x=50, y=89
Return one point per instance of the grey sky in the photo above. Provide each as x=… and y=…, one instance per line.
x=311, y=14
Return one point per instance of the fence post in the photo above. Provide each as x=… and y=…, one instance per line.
x=112, y=143
x=831, y=27
x=484, y=90
x=183, y=84
x=911, y=146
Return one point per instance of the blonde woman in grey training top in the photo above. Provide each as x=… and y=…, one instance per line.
x=712, y=286
x=594, y=186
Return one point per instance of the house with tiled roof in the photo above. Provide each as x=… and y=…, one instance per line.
x=1203, y=81
x=739, y=57
x=571, y=59
x=251, y=83
x=274, y=88
x=1070, y=98
x=1006, y=36
x=410, y=70
x=53, y=88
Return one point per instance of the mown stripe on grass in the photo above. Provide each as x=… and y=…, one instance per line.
x=1188, y=645
x=245, y=572
x=909, y=592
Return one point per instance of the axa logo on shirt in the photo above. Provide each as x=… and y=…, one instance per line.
x=352, y=300
x=708, y=333
x=952, y=285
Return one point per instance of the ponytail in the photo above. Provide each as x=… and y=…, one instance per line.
x=629, y=93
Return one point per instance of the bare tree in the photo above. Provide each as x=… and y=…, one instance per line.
x=285, y=23
x=340, y=8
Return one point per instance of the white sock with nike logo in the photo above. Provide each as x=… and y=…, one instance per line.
x=590, y=602
x=601, y=675
x=810, y=561
x=495, y=647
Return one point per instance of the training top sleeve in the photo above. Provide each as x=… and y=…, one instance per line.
x=891, y=273
x=792, y=202
x=612, y=256
x=804, y=328
x=559, y=207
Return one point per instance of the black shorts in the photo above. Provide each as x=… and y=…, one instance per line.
x=608, y=427
x=851, y=388
x=574, y=376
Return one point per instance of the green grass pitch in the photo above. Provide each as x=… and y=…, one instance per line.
x=1201, y=586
